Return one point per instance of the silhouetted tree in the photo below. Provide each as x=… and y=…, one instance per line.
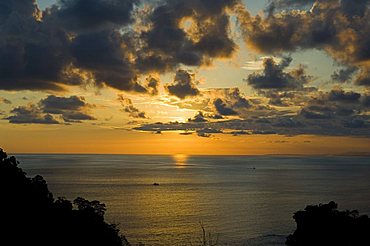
x=29, y=215
x=325, y=225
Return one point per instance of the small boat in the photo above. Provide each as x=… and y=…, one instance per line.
x=155, y=184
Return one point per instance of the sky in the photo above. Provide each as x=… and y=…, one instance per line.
x=218, y=77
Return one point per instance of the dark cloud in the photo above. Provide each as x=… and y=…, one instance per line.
x=336, y=105
x=263, y=132
x=184, y=85
x=30, y=115
x=202, y=117
x=288, y=122
x=207, y=132
x=72, y=109
x=222, y=108
x=187, y=32
x=82, y=15
x=288, y=98
x=274, y=76
x=199, y=117
x=236, y=100
x=316, y=112
x=24, y=8
x=76, y=117
x=221, y=101
x=340, y=95
x=152, y=85
x=74, y=43
x=332, y=26
x=129, y=107
x=355, y=123
x=102, y=54
x=358, y=8
x=344, y=75
x=364, y=77
x=282, y=4
x=172, y=126
x=366, y=100
x=57, y=105
x=32, y=53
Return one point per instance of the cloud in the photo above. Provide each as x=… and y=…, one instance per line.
x=118, y=43
x=187, y=32
x=72, y=109
x=32, y=53
x=355, y=123
x=184, y=85
x=338, y=107
x=199, y=117
x=30, y=114
x=227, y=101
x=332, y=26
x=309, y=111
x=152, y=85
x=274, y=77
x=344, y=75
x=58, y=105
x=317, y=112
x=74, y=42
x=364, y=77
x=82, y=15
x=102, y=54
x=222, y=109
x=282, y=4
x=108, y=43
x=283, y=125
x=128, y=107
x=281, y=98
x=366, y=100
x=207, y=132
x=340, y=95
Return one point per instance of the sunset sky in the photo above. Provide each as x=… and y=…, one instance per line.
x=185, y=76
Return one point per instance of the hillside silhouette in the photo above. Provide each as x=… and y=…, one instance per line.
x=29, y=214
x=324, y=224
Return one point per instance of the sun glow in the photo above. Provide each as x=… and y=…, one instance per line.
x=180, y=160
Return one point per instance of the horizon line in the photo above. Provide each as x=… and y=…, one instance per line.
x=347, y=154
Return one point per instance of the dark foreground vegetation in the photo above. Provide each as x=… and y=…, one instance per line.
x=29, y=215
x=325, y=225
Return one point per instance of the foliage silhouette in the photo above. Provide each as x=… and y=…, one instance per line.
x=325, y=225
x=29, y=215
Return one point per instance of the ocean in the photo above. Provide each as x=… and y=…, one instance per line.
x=239, y=200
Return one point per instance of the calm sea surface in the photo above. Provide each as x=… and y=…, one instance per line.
x=240, y=200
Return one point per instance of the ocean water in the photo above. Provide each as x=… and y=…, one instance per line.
x=239, y=200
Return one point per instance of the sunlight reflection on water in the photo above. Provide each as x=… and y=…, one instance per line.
x=180, y=160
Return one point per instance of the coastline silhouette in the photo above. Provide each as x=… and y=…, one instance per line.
x=31, y=216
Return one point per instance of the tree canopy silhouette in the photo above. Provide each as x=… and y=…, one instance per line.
x=29, y=215
x=325, y=225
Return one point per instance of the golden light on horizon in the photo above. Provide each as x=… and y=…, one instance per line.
x=180, y=160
